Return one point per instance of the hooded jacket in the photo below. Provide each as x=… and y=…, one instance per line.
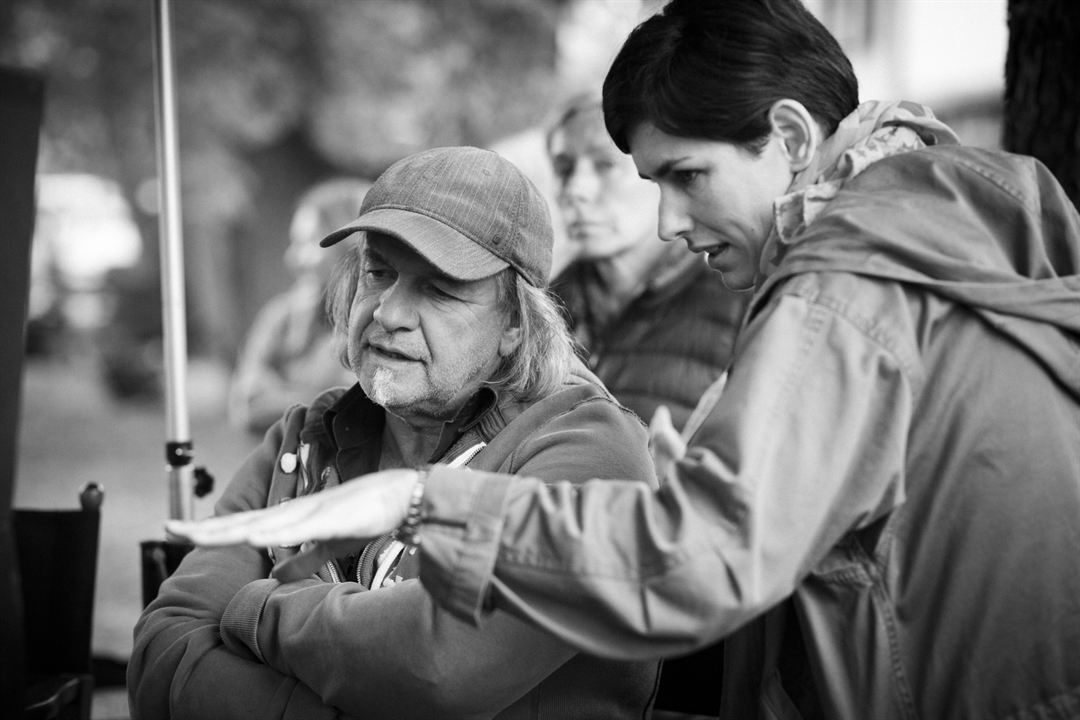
x=880, y=511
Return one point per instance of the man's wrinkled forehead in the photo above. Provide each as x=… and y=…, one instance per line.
x=388, y=250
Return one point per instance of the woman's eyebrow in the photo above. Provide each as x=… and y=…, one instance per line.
x=662, y=170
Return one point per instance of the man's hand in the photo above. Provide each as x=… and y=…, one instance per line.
x=665, y=443
x=312, y=556
x=362, y=508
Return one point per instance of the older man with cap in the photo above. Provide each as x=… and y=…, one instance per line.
x=461, y=358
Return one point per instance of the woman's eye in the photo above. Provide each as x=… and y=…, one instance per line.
x=685, y=177
x=562, y=168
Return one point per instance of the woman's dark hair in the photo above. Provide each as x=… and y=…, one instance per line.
x=711, y=69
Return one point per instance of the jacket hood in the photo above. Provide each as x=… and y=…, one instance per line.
x=991, y=231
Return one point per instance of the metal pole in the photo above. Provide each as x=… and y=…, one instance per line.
x=178, y=446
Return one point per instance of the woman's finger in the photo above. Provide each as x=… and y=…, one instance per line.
x=361, y=508
x=665, y=442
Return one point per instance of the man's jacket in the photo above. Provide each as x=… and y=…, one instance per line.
x=222, y=641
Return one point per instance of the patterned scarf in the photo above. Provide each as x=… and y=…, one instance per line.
x=875, y=130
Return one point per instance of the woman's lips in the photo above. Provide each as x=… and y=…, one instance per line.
x=719, y=257
x=585, y=228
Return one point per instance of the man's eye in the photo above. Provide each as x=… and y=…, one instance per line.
x=376, y=276
x=439, y=292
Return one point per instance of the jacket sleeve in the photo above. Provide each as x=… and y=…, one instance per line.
x=391, y=652
x=805, y=444
x=179, y=668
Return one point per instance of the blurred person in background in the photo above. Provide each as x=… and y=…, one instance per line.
x=879, y=514
x=461, y=357
x=287, y=356
x=656, y=325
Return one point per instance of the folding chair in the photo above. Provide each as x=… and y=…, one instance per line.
x=57, y=551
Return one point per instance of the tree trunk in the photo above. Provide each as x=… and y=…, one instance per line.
x=1042, y=86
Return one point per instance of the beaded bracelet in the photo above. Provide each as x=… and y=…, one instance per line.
x=408, y=531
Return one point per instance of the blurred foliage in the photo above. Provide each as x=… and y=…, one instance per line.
x=365, y=81
x=272, y=96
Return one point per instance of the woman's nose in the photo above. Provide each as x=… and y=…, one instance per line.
x=582, y=183
x=673, y=220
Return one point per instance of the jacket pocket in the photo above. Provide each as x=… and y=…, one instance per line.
x=852, y=633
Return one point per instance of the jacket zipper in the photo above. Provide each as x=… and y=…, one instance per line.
x=372, y=548
x=306, y=486
x=331, y=567
x=376, y=546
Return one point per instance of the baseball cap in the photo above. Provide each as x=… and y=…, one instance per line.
x=469, y=212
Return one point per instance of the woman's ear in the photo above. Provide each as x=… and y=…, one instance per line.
x=798, y=131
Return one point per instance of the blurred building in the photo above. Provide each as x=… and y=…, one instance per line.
x=948, y=54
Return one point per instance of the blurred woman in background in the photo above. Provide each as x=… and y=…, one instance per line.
x=657, y=327
x=288, y=355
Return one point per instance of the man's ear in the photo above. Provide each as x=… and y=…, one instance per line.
x=798, y=131
x=511, y=338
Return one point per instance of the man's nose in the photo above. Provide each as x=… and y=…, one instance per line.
x=673, y=220
x=396, y=309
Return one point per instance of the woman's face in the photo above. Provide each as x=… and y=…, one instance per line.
x=607, y=208
x=715, y=196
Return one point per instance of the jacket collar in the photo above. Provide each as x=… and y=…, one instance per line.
x=875, y=130
x=353, y=420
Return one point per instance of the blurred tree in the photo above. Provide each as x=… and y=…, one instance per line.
x=1042, y=86
x=272, y=97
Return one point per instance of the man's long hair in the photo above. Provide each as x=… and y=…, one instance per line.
x=541, y=362
x=539, y=365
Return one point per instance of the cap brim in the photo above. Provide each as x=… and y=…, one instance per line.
x=453, y=253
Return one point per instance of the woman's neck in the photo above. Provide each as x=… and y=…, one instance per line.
x=628, y=273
